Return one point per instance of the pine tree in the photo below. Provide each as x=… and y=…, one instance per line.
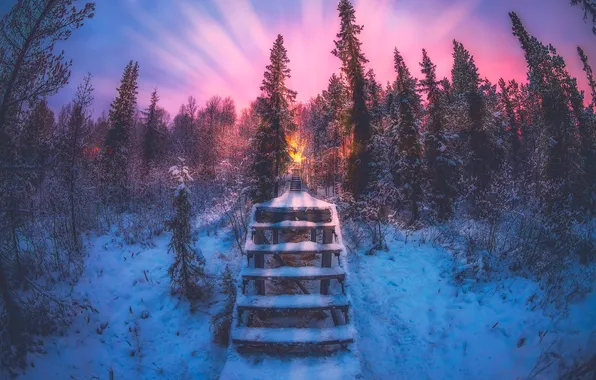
x=187, y=273
x=348, y=50
x=404, y=130
x=590, y=75
x=588, y=136
x=554, y=90
x=153, y=144
x=509, y=98
x=30, y=31
x=335, y=99
x=589, y=7
x=274, y=109
x=438, y=159
x=34, y=141
x=119, y=138
x=480, y=151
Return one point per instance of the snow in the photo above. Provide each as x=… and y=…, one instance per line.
x=411, y=321
x=296, y=200
x=301, y=247
x=294, y=335
x=340, y=366
x=130, y=288
x=291, y=224
x=301, y=301
x=293, y=272
x=414, y=321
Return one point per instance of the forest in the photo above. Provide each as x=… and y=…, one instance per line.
x=499, y=179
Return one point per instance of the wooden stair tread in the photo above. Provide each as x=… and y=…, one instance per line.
x=305, y=273
x=305, y=247
x=293, y=302
x=293, y=336
x=292, y=224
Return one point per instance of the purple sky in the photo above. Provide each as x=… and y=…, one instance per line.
x=205, y=48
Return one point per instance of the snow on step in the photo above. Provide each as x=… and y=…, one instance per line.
x=292, y=224
x=295, y=248
x=293, y=302
x=293, y=336
x=295, y=200
x=306, y=273
x=344, y=365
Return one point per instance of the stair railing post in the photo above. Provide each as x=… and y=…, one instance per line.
x=326, y=259
x=260, y=261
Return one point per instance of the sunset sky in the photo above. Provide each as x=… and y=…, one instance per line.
x=204, y=48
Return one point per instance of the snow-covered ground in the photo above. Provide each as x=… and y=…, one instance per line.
x=412, y=321
x=140, y=331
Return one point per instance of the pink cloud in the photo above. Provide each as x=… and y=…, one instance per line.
x=224, y=50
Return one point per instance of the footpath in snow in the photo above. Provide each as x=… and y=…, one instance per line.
x=343, y=364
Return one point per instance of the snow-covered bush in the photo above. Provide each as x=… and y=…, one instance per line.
x=222, y=321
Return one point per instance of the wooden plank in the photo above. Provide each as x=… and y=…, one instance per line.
x=293, y=302
x=291, y=224
x=293, y=336
x=274, y=215
x=303, y=247
x=300, y=273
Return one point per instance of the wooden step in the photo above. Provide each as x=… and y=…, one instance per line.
x=302, y=248
x=299, y=273
x=289, y=303
x=293, y=273
x=292, y=224
x=276, y=214
x=293, y=336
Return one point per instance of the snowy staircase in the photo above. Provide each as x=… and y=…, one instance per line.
x=292, y=317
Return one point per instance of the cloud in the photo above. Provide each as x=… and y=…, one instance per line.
x=214, y=47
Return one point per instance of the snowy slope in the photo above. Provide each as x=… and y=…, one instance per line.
x=412, y=321
x=150, y=334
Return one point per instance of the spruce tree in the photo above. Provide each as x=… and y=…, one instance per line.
x=348, y=49
x=276, y=114
x=335, y=99
x=438, y=161
x=187, y=273
x=479, y=150
x=153, y=138
x=558, y=146
x=404, y=129
x=589, y=7
x=118, y=142
x=590, y=75
x=35, y=137
x=588, y=136
x=509, y=97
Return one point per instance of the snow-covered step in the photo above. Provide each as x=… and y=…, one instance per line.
x=292, y=303
x=304, y=247
x=299, y=273
x=292, y=224
x=293, y=336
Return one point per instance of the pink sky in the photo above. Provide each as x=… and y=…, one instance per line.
x=221, y=47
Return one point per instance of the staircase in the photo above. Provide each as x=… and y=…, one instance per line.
x=296, y=314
